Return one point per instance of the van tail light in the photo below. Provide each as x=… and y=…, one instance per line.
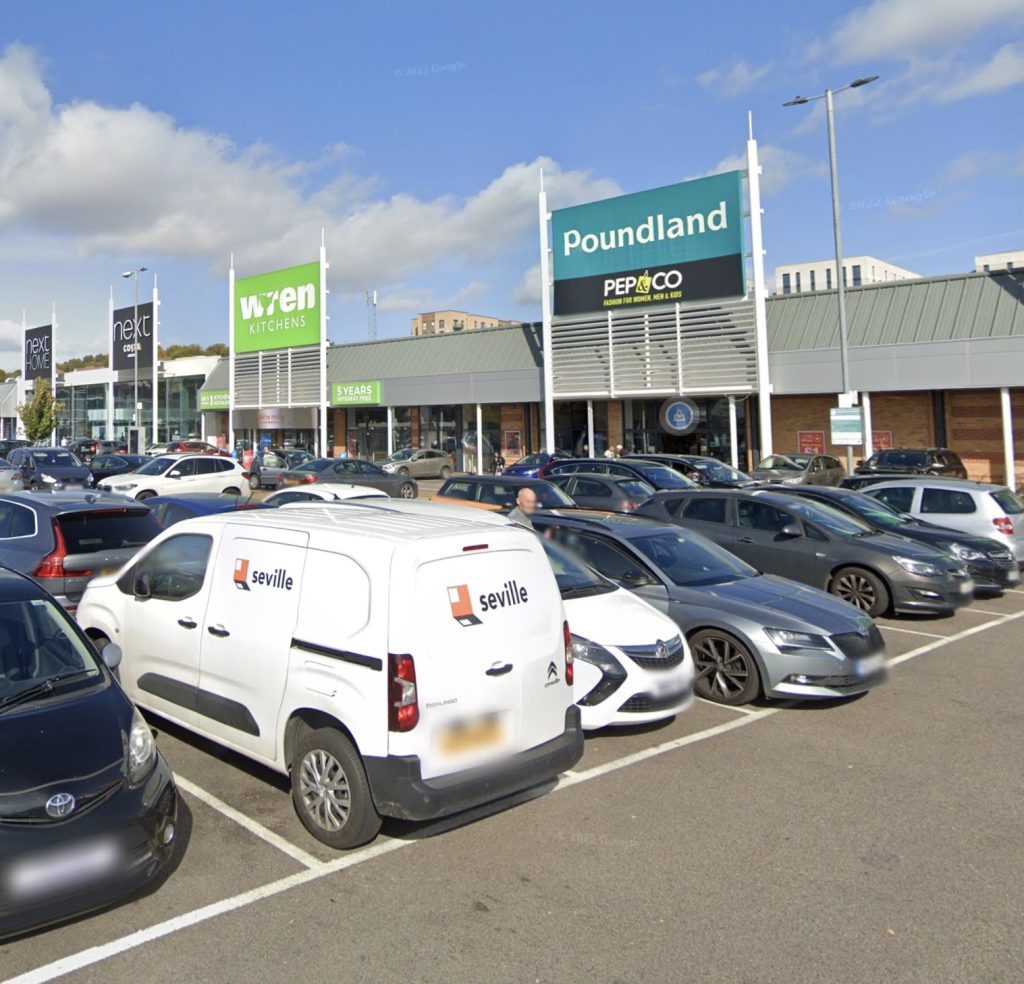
x=52, y=565
x=1004, y=525
x=403, y=709
x=567, y=635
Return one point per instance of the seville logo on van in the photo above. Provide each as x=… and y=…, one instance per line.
x=278, y=578
x=462, y=606
x=510, y=595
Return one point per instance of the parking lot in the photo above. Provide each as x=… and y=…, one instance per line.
x=874, y=839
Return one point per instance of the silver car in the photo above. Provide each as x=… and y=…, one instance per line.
x=799, y=469
x=993, y=511
x=750, y=633
x=425, y=463
x=10, y=477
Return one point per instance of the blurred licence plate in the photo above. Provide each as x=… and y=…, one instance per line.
x=1013, y=577
x=461, y=739
x=870, y=664
x=965, y=586
x=63, y=870
x=104, y=571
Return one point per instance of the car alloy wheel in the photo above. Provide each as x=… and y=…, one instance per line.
x=862, y=589
x=254, y=483
x=725, y=670
x=407, y=491
x=324, y=790
x=403, y=471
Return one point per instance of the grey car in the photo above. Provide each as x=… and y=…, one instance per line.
x=993, y=511
x=425, y=463
x=269, y=466
x=62, y=540
x=750, y=633
x=608, y=492
x=50, y=469
x=823, y=547
x=799, y=469
x=351, y=471
x=10, y=477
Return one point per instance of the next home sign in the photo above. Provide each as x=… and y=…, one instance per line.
x=362, y=394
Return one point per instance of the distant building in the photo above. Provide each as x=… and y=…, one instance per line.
x=858, y=271
x=445, y=322
x=996, y=262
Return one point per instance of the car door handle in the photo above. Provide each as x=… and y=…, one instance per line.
x=499, y=669
x=744, y=539
x=187, y=623
x=218, y=630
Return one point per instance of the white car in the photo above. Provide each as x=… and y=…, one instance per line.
x=180, y=474
x=631, y=663
x=322, y=492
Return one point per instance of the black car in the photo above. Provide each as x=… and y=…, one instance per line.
x=940, y=462
x=62, y=540
x=992, y=565
x=822, y=547
x=88, y=806
x=498, y=492
x=85, y=448
x=609, y=492
x=50, y=468
x=171, y=509
x=704, y=471
x=6, y=447
x=654, y=474
x=114, y=465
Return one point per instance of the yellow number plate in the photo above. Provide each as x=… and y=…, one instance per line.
x=462, y=739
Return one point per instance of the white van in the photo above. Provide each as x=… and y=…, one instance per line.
x=410, y=663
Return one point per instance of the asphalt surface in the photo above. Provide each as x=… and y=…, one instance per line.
x=876, y=839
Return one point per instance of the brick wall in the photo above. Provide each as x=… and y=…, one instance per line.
x=975, y=430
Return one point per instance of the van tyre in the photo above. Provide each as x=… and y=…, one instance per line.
x=725, y=671
x=861, y=588
x=330, y=791
x=407, y=491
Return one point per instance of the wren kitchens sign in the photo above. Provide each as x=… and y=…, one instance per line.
x=683, y=242
x=278, y=310
x=213, y=400
x=366, y=393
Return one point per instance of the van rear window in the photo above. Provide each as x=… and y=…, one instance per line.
x=1009, y=502
x=91, y=532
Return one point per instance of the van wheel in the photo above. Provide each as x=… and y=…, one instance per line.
x=446, y=472
x=330, y=791
x=254, y=483
x=861, y=588
x=145, y=495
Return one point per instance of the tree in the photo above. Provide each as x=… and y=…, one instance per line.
x=98, y=361
x=40, y=414
x=5, y=375
x=218, y=348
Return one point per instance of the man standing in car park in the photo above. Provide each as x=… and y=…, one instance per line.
x=526, y=506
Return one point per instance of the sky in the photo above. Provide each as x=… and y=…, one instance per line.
x=172, y=136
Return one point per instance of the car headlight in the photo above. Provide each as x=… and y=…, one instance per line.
x=388, y=468
x=125, y=487
x=791, y=481
x=612, y=671
x=919, y=567
x=141, y=749
x=49, y=479
x=786, y=640
x=963, y=552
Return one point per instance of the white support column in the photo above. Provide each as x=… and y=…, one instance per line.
x=590, y=430
x=479, y=440
x=545, y=305
x=323, y=343
x=110, y=365
x=156, y=363
x=1008, y=461
x=734, y=450
x=764, y=386
x=865, y=405
x=53, y=376
x=391, y=432
x=231, y=356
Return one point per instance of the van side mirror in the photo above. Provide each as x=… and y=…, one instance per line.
x=111, y=655
x=142, y=586
x=789, y=532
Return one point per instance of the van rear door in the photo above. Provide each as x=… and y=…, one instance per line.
x=482, y=618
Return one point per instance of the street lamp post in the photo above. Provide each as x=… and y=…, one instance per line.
x=844, y=355
x=134, y=274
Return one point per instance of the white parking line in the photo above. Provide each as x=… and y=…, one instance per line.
x=927, y=635
x=982, y=611
x=86, y=958
x=728, y=707
x=254, y=828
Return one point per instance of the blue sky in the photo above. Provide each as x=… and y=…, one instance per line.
x=169, y=135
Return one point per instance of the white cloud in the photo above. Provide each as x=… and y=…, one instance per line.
x=131, y=181
x=11, y=335
x=778, y=167
x=528, y=290
x=733, y=80
x=896, y=29
x=417, y=299
x=1004, y=70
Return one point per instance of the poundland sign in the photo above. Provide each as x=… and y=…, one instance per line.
x=278, y=310
x=679, y=243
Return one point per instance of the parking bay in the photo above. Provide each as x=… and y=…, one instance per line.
x=857, y=841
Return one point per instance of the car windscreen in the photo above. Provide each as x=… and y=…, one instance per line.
x=533, y=461
x=636, y=488
x=829, y=519
x=689, y=560
x=575, y=580
x=55, y=459
x=899, y=459
x=95, y=531
x=317, y=465
x=157, y=466
x=780, y=462
x=719, y=472
x=552, y=497
x=1009, y=502
x=662, y=476
x=403, y=455
x=872, y=510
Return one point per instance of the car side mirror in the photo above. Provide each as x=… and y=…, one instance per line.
x=789, y=532
x=142, y=586
x=174, y=474
x=111, y=655
x=634, y=579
